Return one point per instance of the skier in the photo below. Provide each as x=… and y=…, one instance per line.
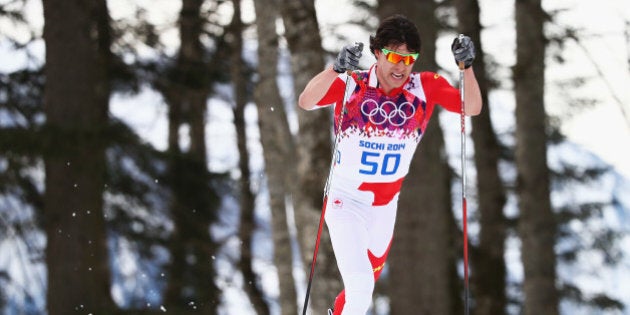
x=380, y=116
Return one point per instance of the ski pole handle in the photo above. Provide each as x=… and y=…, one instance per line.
x=461, y=64
x=358, y=46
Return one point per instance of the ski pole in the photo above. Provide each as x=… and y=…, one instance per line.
x=312, y=273
x=463, y=163
x=326, y=190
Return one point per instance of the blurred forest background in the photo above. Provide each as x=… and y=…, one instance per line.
x=221, y=218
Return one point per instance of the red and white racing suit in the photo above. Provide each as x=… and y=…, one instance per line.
x=378, y=137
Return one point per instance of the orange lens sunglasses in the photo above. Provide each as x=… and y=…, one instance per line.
x=395, y=57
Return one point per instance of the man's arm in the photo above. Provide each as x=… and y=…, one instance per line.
x=347, y=59
x=463, y=50
x=317, y=88
x=472, y=93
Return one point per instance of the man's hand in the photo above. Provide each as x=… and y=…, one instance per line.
x=348, y=58
x=463, y=50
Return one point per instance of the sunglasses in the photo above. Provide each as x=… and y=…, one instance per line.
x=395, y=57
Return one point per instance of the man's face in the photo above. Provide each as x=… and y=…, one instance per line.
x=392, y=75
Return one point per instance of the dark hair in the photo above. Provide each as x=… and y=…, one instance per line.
x=396, y=30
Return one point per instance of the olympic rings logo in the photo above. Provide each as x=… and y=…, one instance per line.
x=388, y=111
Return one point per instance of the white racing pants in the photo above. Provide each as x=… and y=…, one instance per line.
x=361, y=235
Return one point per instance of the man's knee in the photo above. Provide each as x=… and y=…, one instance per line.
x=359, y=282
x=359, y=288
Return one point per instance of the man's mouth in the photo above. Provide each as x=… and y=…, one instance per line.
x=397, y=76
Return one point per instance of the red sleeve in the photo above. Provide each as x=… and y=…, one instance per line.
x=439, y=92
x=334, y=94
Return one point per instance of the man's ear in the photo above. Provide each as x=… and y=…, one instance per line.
x=376, y=53
x=372, y=45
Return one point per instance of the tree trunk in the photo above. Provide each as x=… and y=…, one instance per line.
x=314, y=151
x=252, y=287
x=536, y=226
x=76, y=105
x=307, y=60
x=488, y=280
x=278, y=149
x=423, y=257
x=191, y=271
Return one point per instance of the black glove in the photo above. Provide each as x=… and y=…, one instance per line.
x=463, y=50
x=348, y=58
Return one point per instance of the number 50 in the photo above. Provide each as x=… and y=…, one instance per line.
x=374, y=161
